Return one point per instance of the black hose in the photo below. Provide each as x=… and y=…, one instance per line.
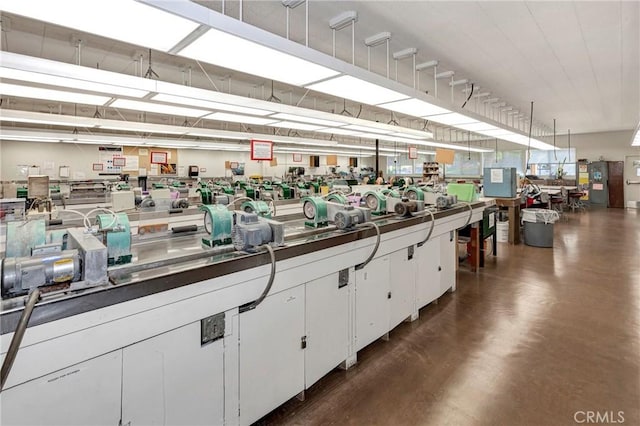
x=265, y=292
x=469, y=218
x=433, y=225
x=185, y=228
x=14, y=346
x=375, y=248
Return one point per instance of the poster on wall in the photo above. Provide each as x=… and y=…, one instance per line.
x=297, y=158
x=107, y=155
x=261, y=150
x=119, y=161
x=413, y=152
x=158, y=157
x=239, y=170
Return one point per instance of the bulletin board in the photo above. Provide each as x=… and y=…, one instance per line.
x=138, y=161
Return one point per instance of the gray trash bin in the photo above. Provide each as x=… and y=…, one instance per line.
x=538, y=227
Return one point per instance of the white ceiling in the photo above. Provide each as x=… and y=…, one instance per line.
x=578, y=61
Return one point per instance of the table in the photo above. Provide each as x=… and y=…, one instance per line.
x=513, y=207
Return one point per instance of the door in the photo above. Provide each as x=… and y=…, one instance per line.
x=172, y=379
x=402, y=285
x=448, y=261
x=428, y=275
x=271, y=353
x=632, y=181
x=616, y=184
x=372, y=302
x=84, y=394
x=327, y=323
x=598, y=176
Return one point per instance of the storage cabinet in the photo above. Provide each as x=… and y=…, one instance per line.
x=173, y=379
x=87, y=393
x=402, y=285
x=428, y=275
x=372, y=301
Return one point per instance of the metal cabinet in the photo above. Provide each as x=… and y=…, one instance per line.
x=327, y=325
x=403, y=270
x=271, y=353
x=173, y=379
x=428, y=275
x=448, y=262
x=372, y=302
x=87, y=393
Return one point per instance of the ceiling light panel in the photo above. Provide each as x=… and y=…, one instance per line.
x=339, y=131
x=158, y=108
x=311, y=120
x=477, y=127
x=367, y=129
x=235, y=118
x=52, y=95
x=163, y=97
x=233, y=52
x=414, y=107
x=357, y=90
x=125, y=20
x=71, y=83
x=296, y=126
x=451, y=119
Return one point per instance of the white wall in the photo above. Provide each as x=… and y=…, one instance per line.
x=81, y=158
x=612, y=146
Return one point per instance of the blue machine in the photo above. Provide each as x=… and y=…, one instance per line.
x=500, y=182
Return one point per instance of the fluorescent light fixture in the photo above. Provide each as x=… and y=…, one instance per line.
x=482, y=95
x=294, y=125
x=636, y=138
x=344, y=19
x=451, y=119
x=506, y=109
x=414, y=107
x=18, y=116
x=284, y=116
x=495, y=133
x=367, y=129
x=133, y=126
x=406, y=135
x=445, y=74
x=459, y=82
x=357, y=90
x=52, y=95
x=158, y=108
x=491, y=100
x=230, y=51
x=425, y=65
x=301, y=141
x=477, y=127
x=162, y=97
x=377, y=39
x=405, y=53
x=71, y=83
x=235, y=118
x=292, y=3
x=338, y=131
x=124, y=20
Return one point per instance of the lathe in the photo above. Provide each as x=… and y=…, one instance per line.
x=180, y=326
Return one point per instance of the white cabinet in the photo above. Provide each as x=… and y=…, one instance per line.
x=172, y=379
x=428, y=275
x=84, y=394
x=372, y=301
x=402, y=284
x=448, y=262
x=271, y=354
x=327, y=322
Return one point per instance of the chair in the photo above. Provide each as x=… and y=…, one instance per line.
x=558, y=201
x=575, y=201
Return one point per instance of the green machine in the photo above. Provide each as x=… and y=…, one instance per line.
x=337, y=197
x=414, y=193
x=258, y=207
x=205, y=193
x=315, y=209
x=390, y=193
x=266, y=185
x=22, y=193
x=157, y=185
x=178, y=184
x=376, y=202
x=284, y=190
x=218, y=223
x=248, y=189
x=315, y=185
x=116, y=235
x=225, y=187
x=122, y=186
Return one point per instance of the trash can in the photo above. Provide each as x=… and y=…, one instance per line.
x=538, y=226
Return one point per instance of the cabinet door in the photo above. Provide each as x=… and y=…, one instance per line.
x=172, y=379
x=448, y=262
x=87, y=393
x=326, y=316
x=428, y=276
x=372, y=302
x=403, y=286
x=271, y=354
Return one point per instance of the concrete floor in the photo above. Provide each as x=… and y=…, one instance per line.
x=539, y=337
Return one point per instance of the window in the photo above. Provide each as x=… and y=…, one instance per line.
x=506, y=159
x=465, y=164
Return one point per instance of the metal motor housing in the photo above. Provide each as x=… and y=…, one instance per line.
x=22, y=274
